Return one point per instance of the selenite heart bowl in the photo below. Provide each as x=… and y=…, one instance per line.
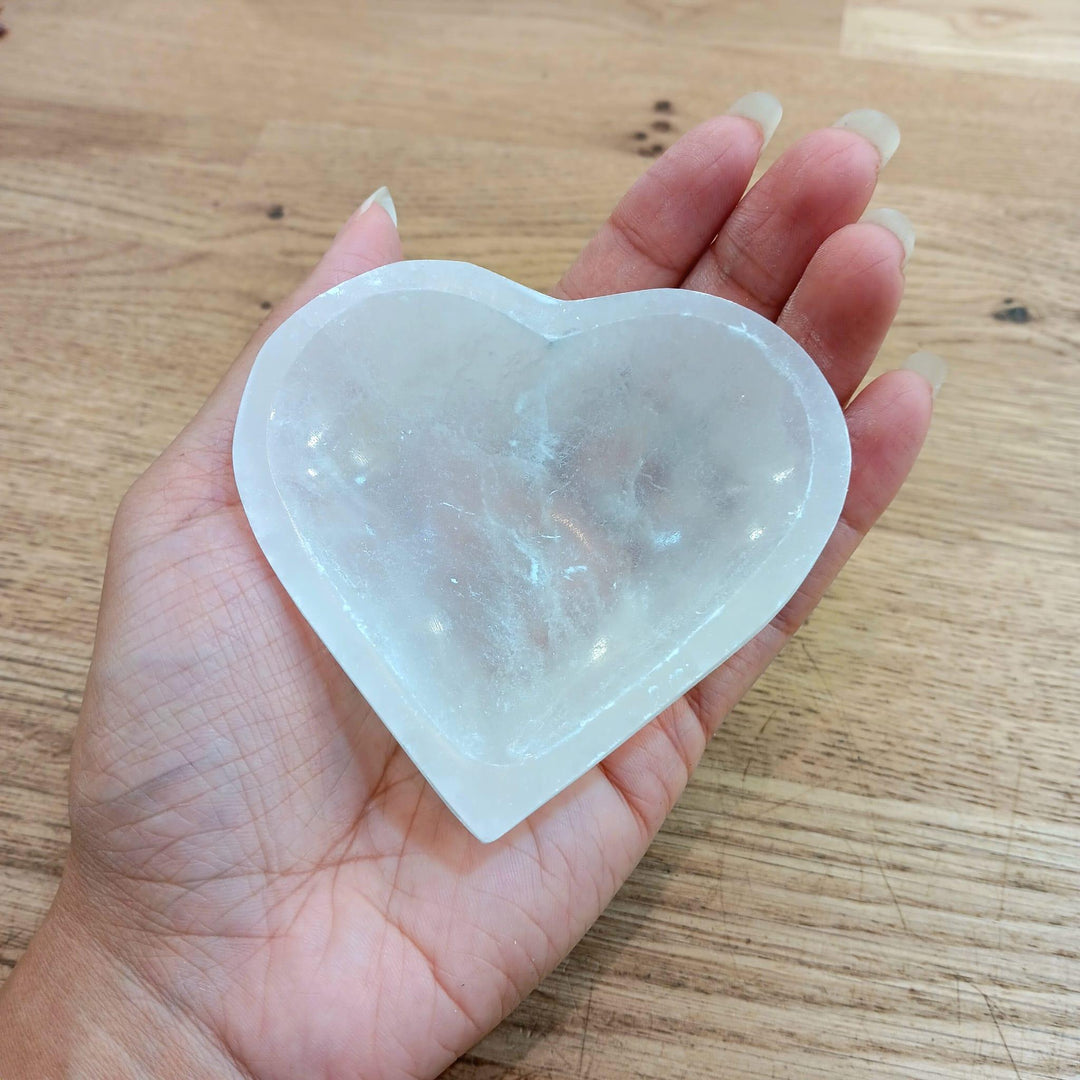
x=524, y=526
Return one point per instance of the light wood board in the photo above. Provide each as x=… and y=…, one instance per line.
x=876, y=870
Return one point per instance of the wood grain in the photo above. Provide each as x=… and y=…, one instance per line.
x=1025, y=37
x=876, y=870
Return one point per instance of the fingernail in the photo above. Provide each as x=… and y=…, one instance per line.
x=898, y=224
x=878, y=129
x=381, y=196
x=930, y=366
x=761, y=107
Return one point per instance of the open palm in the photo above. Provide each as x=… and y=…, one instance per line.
x=251, y=842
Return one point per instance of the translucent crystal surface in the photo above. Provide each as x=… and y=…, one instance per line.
x=525, y=526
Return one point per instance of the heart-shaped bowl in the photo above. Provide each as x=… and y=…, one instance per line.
x=524, y=526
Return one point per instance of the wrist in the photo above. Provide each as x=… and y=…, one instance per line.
x=73, y=1008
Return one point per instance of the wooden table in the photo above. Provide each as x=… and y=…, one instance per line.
x=876, y=871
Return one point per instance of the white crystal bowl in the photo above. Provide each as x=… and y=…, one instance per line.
x=525, y=526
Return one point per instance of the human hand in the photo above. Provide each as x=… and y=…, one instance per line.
x=260, y=883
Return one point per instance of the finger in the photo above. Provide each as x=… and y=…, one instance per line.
x=848, y=296
x=888, y=422
x=368, y=239
x=821, y=184
x=666, y=220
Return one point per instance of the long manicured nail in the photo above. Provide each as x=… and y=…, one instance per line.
x=930, y=366
x=381, y=196
x=898, y=224
x=761, y=107
x=876, y=127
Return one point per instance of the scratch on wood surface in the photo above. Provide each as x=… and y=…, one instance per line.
x=1001, y=1034
x=768, y=721
x=773, y=807
x=811, y=659
x=872, y=838
x=717, y=891
x=1009, y=841
x=888, y=885
x=584, y=1031
x=761, y=731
